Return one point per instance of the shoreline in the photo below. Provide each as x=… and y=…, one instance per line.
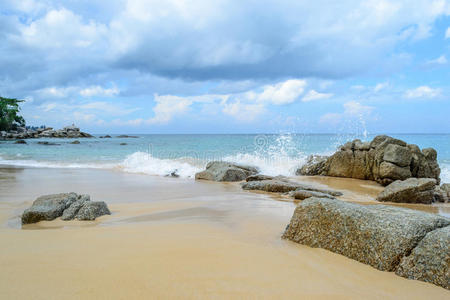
x=213, y=239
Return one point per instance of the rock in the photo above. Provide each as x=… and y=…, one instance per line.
x=384, y=160
x=75, y=142
x=67, y=206
x=70, y=212
x=377, y=235
x=304, y=194
x=273, y=186
x=225, y=171
x=48, y=207
x=173, y=174
x=258, y=177
x=91, y=210
x=429, y=261
x=399, y=155
x=440, y=195
x=126, y=136
x=412, y=190
x=105, y=137
x=281, y=185
x=123, y=144
x=20, y=142
x=48, y=144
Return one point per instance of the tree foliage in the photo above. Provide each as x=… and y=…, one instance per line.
x=9, y=114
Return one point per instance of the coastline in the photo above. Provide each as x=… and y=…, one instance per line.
x=173, y=237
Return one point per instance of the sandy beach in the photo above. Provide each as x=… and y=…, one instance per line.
x=176, y=238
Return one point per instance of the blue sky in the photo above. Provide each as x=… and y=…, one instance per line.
x=145, y=66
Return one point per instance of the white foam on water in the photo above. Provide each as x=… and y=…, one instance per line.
x=141, y=162
x=445, y=173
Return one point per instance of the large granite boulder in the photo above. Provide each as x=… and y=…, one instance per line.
x=430, y=260
x=411, y=190
x=384, y=160
x=377, y=235
x=48, y=207
x=68, y=206
x=226, y=171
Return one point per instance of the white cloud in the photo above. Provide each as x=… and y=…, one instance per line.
x=281, y=93
x=354, y=108
x=441, y=60
x=243, y=111
x=99, y=91
x=313, y=95
x=331, y=118
x=447, y=33
x=422, y=92
x=167, y=107
x=380, y=86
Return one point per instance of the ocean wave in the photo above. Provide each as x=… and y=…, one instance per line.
x=54, y=164
x=141, y=162
x=445, y=173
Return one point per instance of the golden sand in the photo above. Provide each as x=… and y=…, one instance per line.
x=215, y=242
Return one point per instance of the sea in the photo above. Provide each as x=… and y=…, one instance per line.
x=186, y=154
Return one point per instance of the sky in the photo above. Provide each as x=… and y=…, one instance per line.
x=199, y=66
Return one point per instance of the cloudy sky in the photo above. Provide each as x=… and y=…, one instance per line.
x=201, y=66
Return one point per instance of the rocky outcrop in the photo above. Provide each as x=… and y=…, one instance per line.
x=49, y=132
x=124, y=136
x=411, y=190
x=225, y=171
x=430, y=260
x=65, y=205
x=20, y=142
x=283, y=185
x=384, y=160
x=378, y=235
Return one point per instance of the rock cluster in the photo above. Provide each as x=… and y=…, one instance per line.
x=388, y=238
x=384, y=160
x=66, y=205
x=226, y=171
x=66, y=132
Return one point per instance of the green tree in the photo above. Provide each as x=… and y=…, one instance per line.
x=9, y=114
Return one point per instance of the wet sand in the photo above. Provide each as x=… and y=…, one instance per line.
x=173, y=238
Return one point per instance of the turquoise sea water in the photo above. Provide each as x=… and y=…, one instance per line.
x=162, y=154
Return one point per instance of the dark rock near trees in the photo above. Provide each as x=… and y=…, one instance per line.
x=384, y=159
x=67, y=206
x=48, y=207
x=377, y=235
x=20, y=142
x=430, y=260
x=411, y=190
x=91, y=210
x=49, y=132
x=226, y=171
